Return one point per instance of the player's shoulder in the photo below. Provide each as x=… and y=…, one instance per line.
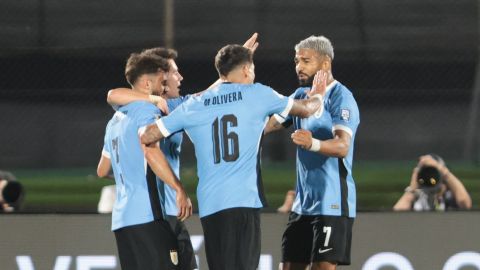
x=300, y=92
x=140, y=109
x=340, y=89
x=263, y=88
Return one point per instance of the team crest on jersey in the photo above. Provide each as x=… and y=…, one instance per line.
x=174, y=257
x=345, y=114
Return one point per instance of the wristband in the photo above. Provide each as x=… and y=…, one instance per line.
x=315, y=147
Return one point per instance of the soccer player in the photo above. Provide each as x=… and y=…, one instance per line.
x=319, y=229
x=144, y=238
x=170, y=146
x=226, y=124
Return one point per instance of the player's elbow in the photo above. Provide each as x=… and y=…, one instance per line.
x=102, y=172
x=144, y=139
x=112, y=97
x=341, y=151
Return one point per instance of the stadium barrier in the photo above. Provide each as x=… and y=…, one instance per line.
x=403, y=241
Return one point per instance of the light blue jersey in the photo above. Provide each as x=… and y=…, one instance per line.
x=325, y=185
x=122, y=146
x=226, y=125
x=171, y=148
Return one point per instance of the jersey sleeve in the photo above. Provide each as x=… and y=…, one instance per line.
x=275, y=103
x=147, y=115
x=106, y=146
x=345, y=113
x=287, y=121
x=174, y=122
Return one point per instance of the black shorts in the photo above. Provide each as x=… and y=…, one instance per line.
x=310, y=239
x=186, y=254
x=232, y=239
x=149, y=246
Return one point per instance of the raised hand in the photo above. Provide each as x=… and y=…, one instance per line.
x=252, y=43
x=319, y=85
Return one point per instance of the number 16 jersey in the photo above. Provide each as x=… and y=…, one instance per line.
x=226, y=125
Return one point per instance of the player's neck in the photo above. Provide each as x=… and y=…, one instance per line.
x=236, y=77
x=141, y=90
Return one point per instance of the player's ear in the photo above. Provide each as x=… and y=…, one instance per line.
x=245, y=70
x=326, y=63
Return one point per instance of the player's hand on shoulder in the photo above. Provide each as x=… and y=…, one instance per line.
x=302, y=138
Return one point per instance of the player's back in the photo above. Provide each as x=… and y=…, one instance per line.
x=226, y=126
x=132, y=205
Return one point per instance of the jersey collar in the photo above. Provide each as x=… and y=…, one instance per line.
x=330, y=86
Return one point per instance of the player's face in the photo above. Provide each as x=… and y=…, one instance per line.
x=157, y=82
x=174, y=81
x=307, y=63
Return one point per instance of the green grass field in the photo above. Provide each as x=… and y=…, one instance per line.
x=379, y=185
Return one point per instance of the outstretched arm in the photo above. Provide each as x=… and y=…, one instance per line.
x=151, y=134
x=123, y=96
x=273, y=125
x=314, y=104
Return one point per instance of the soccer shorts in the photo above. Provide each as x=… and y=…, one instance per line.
x=310, y=239
x=148, y=246
x=186, y=254
x=232, y=239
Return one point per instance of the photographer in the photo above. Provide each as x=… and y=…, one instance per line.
x=11, y=192
x=433, y=188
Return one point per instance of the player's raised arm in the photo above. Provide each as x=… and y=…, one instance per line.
x=314, y=104
x=124, y=96
x=151, y=134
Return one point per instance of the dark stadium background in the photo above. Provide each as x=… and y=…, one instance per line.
x=412, y=65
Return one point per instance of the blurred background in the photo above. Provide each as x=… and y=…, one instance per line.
x=412, y=66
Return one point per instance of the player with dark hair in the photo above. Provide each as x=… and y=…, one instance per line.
x=319, y=230
x=226, y=124
x=144, y=238
x=433, y=188
x=170, y=146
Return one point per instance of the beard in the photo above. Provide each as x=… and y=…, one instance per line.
x=306, y=82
